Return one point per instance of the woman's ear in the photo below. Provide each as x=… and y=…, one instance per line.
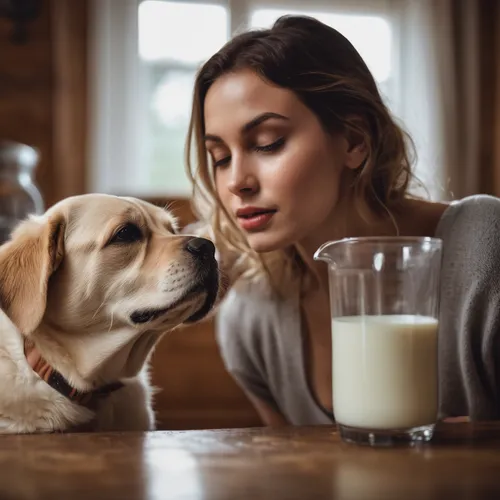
x=357, y=150
x=356, y=156
x=27, y=261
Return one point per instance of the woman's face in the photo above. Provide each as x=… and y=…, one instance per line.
x=276, y=169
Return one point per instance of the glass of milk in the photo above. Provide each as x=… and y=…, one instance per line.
x=384, y=296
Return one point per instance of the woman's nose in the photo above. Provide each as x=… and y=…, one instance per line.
x=242, y=179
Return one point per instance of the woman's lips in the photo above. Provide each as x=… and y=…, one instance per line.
x=254, y=221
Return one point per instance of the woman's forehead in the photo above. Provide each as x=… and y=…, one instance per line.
x=236, y=98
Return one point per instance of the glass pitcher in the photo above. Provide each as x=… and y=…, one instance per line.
x=19, y=196
x=384, y=298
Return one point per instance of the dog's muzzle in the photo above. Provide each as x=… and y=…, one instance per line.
x=203, y=251
x=206, y=280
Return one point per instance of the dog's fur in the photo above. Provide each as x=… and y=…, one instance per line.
x=71, y=290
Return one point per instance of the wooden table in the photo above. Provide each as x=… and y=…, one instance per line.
x=290, y=463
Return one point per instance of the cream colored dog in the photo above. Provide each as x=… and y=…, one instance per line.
x=86, y=292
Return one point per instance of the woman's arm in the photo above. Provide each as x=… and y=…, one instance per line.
x=269, y=416
x=240, y=328
x=469, y=321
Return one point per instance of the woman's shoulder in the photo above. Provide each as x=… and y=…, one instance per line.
x=470, y=230
x=467, y=217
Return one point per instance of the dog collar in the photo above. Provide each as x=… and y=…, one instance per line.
x=53, y=378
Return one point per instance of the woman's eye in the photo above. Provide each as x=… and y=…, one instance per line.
x=266, y=148
x=274, y=146
x=129, y=233
x=222, y=161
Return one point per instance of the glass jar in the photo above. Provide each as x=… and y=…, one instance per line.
x=19, y=196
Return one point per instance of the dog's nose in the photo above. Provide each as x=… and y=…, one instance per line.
x=200, y=247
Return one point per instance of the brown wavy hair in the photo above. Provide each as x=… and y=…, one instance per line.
x=329, y=76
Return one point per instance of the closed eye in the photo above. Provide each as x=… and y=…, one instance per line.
x=274, y=146
x=222, y=162
x=266, y=148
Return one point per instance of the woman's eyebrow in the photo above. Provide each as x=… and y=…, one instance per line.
x=253, y=123
x=213, y=138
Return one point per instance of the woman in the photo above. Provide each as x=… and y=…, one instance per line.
x=295, y=147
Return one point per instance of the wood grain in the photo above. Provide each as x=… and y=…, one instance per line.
x=288, y=463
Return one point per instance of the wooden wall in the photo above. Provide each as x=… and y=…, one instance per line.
x=196, y=390
x=43, y=102
x=27, y=91
x=43, y=94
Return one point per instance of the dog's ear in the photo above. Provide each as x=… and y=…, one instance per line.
x=27, y=261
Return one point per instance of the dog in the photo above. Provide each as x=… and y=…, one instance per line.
x=86, y=292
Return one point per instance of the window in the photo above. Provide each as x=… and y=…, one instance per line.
x=370, y=34
x=174, y=38
x=145, y=57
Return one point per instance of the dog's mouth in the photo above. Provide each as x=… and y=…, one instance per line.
x=208, y=284
x=211, y=289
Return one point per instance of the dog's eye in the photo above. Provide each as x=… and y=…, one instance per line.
x=129, y=233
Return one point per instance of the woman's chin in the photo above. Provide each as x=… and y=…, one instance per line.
x=267, y=241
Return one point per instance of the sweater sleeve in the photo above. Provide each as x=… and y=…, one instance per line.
x=239, y=330
x=469, y=331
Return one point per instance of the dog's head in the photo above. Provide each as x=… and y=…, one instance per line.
x=101, y=277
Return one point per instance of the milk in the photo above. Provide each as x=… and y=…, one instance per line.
x=385, y=371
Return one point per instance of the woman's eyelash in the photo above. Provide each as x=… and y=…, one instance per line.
x=271, y=147
x=267, y=148
x=223, y=161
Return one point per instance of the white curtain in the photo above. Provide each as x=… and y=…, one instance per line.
x=450, y=65
x=422, y=103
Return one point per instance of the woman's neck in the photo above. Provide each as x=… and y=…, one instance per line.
x=413, y=218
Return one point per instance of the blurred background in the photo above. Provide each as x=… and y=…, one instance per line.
x=102, y=90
